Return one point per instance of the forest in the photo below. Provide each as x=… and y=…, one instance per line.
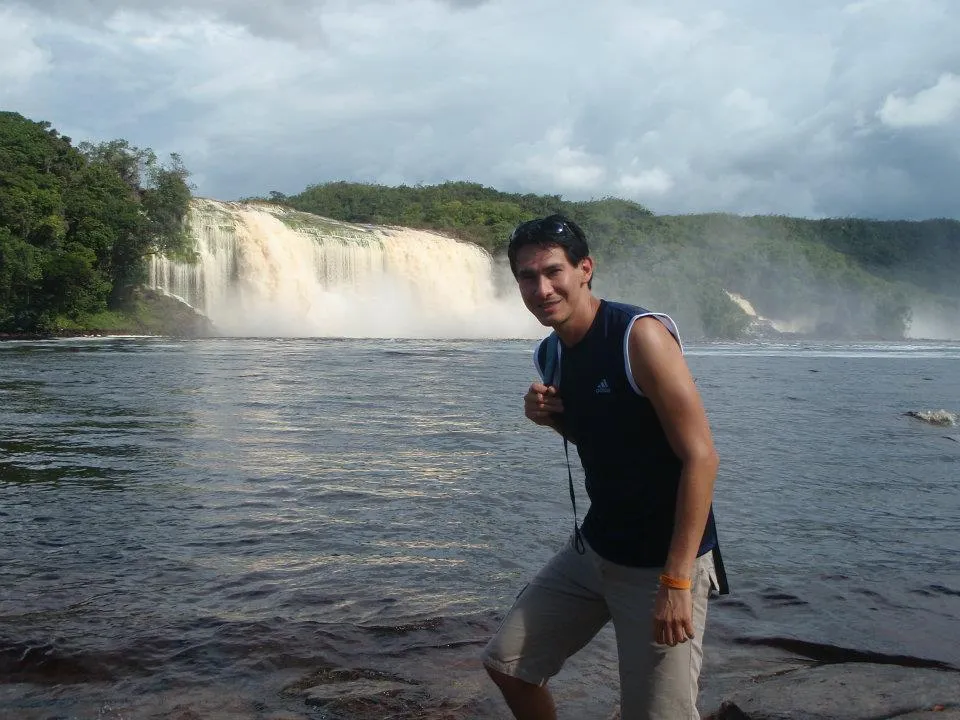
x=79, y=222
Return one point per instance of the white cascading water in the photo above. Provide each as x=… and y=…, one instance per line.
x=264, y=270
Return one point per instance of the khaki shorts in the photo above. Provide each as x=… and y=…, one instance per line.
x=574, y=596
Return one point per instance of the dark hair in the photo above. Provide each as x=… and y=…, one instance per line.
x=553, y=230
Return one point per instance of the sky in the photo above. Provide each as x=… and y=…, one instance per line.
x=813, y=108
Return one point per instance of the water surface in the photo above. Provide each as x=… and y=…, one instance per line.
x=203, y=524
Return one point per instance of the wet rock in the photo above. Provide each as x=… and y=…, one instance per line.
x=155, y=313
x=180, y=713
x=850, y=691
x=357, y=689
x=940, y=418
x=728, y=711
x=363, y=694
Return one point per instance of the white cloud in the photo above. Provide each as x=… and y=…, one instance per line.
x=553, y=161
x=21, y=59
x=930, y=107
x=749, y=111
x=653, y=182
x=863, y=6
x=746, y=107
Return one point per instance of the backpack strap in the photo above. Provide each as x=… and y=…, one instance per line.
x=548, y=363
x=548, y=359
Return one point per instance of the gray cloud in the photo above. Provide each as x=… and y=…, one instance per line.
x=466, y=4
x=830, y=109
x=291, y=19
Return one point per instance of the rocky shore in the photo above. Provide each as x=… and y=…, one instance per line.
x=848, y=691
x=799, y=690
x=149, y=313
x=840, y=691
x=836, y=691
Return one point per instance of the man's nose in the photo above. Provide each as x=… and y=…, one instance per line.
x=544, y=287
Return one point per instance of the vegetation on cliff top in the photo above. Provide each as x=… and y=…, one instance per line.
x=77, y=225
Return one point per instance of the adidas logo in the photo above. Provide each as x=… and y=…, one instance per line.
x=602, y=387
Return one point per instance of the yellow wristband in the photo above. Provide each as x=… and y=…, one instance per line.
x=675, y=583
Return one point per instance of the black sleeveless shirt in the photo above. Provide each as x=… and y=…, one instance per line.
x=632, y=473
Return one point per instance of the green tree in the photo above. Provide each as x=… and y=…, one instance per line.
x=166, y=201
x=160, y=196
x=20, y=273
x=76, y=227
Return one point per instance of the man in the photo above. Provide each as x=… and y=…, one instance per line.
x=645, y=556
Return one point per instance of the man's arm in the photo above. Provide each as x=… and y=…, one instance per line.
x=661, y=373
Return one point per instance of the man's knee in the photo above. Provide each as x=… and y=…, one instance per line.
x=508, y=684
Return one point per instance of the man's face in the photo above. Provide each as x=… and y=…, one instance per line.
x=550, y=286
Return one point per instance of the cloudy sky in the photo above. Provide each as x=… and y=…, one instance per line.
x=813, y=108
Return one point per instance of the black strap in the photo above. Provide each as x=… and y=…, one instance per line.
x=551, y=376
x=577, y=536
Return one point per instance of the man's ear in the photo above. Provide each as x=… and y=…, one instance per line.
x=586, y=265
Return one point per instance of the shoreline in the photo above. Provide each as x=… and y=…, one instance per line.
x=832, y=691
x=694, y=342
x=70, y=334
x=852, y=690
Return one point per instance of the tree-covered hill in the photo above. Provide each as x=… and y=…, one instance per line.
x=835, y=277
x=76, y=224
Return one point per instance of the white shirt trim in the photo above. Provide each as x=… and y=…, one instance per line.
x=668, y=323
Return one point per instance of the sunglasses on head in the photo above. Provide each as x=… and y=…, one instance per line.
x=542, y=228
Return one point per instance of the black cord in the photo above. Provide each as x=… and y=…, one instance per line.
x=577, y=536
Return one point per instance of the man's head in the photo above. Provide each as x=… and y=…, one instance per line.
x=553, y=230
x=554, y=271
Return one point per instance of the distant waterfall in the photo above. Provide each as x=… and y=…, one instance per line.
x=264, y=270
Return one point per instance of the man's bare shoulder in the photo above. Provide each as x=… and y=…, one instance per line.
x=650, y=335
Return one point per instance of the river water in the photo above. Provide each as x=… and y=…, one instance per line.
x=204, y=529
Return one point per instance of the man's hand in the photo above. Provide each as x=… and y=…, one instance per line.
x=541, y=402
x=672, y=616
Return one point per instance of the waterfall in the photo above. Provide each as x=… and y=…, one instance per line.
x=265, y=270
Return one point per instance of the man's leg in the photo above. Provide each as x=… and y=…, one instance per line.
x=657, y=682
x=554, y=616
x=525, y=700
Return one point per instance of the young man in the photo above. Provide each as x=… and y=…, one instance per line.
x=645, y=555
